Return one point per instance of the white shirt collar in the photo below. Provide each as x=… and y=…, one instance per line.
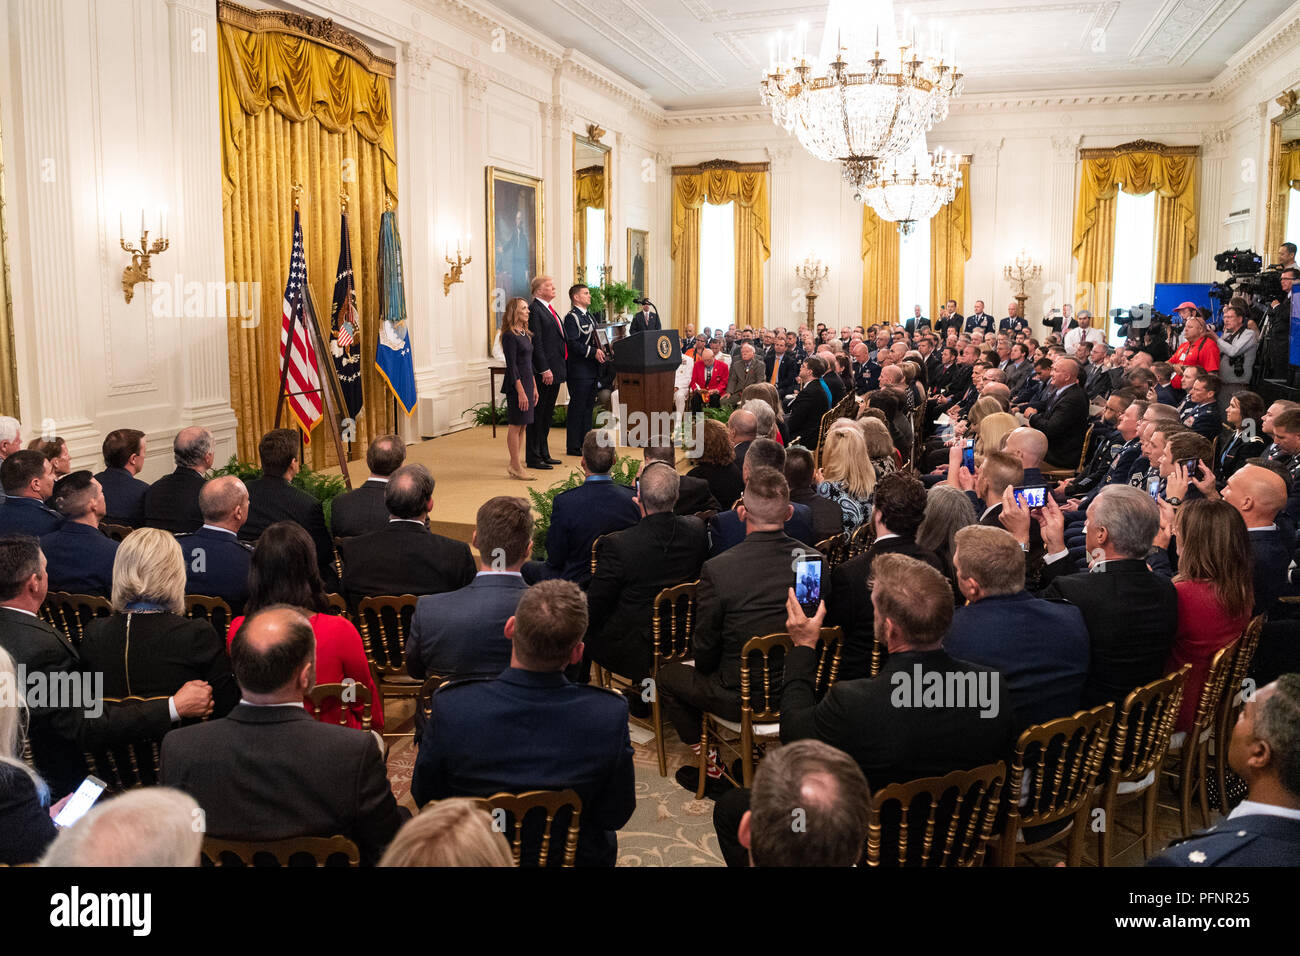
x=1264, y=527
x=382, y=481
x=20, y=610
x=508, y=574
x=1249, y=808
x=288, y=703
x=886, y=537
x=213, y=527
x=392, y=520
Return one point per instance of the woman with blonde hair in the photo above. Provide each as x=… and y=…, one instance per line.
x=26, y=824
x=148, y=647
x=518, y=385
x=846, y=476
x=453, y=832
x=993, y=430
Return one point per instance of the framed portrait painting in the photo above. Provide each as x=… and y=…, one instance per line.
x=515, y=231
x=638, y=260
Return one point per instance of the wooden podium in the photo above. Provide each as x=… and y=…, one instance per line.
x=647, y=364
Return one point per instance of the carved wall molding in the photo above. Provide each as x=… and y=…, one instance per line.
x=1140, y=146
x=321, y=30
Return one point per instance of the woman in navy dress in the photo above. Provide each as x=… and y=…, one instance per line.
x=519, y=386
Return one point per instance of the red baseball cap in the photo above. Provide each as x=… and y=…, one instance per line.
x=1188, y=305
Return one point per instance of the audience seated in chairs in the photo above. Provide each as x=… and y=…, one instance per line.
x=151, y=826
x=947, y=511
x=827, y=518
x=283, y=571
x=581, y=515
x=661, y=550
x=148, y=647
x=1062, y=415
x=363, y=510
x=452, y=832
x=271, y=772
x=80, y=556
x=273, y=498
x=405, y=557
x=1264, y=830
x=717, y=465
x=741, y=595
x=172, y=502
x=461, y=633
x=847, y=476
x=827, y=790
x=694, y=494
x=124, y=451
x=727, y=529
x=28, y=480
x=56, y=451
x=216, y=561
x=530, y=729
x=880, y=721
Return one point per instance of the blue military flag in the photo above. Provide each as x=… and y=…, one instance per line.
x=393, y=356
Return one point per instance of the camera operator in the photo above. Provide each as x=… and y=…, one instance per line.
x=1286, y=256
x=1279, y=320
x=1237, y=347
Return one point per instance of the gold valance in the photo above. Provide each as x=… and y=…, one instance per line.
x=298, y=78
x=589, y=188
x=748, y=190
x=1288, y=169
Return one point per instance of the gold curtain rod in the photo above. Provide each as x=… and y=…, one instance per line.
x=1139, y=146
x=721, y=164
x=316, y=29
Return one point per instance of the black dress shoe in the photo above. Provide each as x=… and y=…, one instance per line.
x=573, y=454
x=537, y=464
x=554, y=461
x=689, y=778
x=636, y=704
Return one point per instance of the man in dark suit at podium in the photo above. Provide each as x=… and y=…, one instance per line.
x=582, y=368
x=550, y=353
x=645, y=320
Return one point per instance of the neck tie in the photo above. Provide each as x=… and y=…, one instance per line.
x=776, y=368
x=561, y=327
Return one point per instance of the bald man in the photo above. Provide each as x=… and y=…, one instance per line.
x=1029, y=445
x=172, y=502
x=742, y=429
x=1259, y=494
x=1062, y=415
x=216, y=561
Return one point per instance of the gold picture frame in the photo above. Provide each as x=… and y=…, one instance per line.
x=516, y=253
x=638, y=241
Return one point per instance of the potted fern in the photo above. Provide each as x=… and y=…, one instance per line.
x=614, y=300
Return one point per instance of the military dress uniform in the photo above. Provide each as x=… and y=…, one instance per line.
x=582, y=372
x=1206, y=419
x=1254, y=834
x=216, y=564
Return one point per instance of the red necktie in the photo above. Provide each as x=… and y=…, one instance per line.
x=561, y=325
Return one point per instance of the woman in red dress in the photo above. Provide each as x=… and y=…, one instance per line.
x=1215, y=584
x=284, y=572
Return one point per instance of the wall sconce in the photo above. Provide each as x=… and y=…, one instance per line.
x=138, y=270
x=457, y=266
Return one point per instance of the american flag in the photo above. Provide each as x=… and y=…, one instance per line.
x=303, y=381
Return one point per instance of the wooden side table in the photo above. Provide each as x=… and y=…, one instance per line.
x=493, y=372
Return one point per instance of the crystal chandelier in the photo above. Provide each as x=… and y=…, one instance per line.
x=912, y=187
x=859, y=103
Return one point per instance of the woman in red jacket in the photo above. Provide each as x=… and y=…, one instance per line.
x=1215, y=584
x=284, y=572
x=1198, y=348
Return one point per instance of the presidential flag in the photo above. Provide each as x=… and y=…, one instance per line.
x=345, y=327
x=301, y=380
x=393, y=355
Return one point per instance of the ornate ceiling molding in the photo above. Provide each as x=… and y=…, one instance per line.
x=1247, y=62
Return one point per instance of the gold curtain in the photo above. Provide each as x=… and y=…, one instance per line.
x=950, y=246
x=588, y=193
x=879, y=269
x=748, y=190
x=8, y=354
x=1173, y=177
x=1285, y=176
x=329, y=128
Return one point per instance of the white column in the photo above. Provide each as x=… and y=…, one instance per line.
x=780, y=265
x=981, y=271
x=1058, y=278
x=1214, y=150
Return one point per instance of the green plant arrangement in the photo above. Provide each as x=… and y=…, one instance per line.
x=322, y=486
x=619, y=297
x=482, y=414
x=623, y=472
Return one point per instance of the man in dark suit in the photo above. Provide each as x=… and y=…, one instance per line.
x=582, y=367
x=1031, y=391
x=362, y=510
x=216, y=561
x=1063, y=418
x=530, y=729
x=405, y=557
x=1264, y=830
x=1201, y=412
x=124, y=451
x=833, y=381
x=272, y=498
x=827, y=519
x=741, y=595
x=645, y=320
x=727, y=529
x=693, y=495
x=550, y=355
x=61, y=732
x=28, y=480
x=917, y=323
x=1019, y=369
x=581, y=515
x=80, y=556
x=632, y=566
x=883, y=722
x=813, y=401
x=462, y=633
x=172, y=502
x=742, y=429
x=899, y=509
x=781, y=368
x=1259, y=494
x=1039, y=647
x=268, y=771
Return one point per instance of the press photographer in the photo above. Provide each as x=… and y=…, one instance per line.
x=1237, y=347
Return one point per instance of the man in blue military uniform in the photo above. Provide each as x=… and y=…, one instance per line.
x=1264, y=830
x=866, y=370
x=531, y=729
x=216, y=561
x=1014, y=322
x=979, y=319
x=28, y=479
x=581, y=367
x=79, y=557
x=1201, y=412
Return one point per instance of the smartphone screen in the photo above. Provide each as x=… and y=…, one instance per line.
x=1153, y=487
x=1031, y=496
x=1191, y=465
x=808, y=584
x=968, y=455
x=81, y=801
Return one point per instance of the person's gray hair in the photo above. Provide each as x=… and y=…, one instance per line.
x=659, y=489
x=763, y=412
x=1130, y=518
x=947, y=511
x=191, y=447
x=1277, y=723
x=150, y=826
x=408, y=491
x=9, y=428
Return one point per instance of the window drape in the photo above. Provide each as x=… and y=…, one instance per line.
x=950, y=246
x=879, y=269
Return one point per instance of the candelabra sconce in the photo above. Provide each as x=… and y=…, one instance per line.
x=814, y=273
x=138, y=270
x=454, y=276
x=1020, y=273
